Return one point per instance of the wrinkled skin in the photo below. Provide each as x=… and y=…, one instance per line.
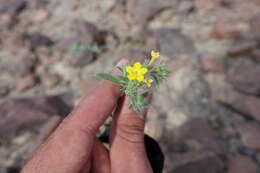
x=74, y=148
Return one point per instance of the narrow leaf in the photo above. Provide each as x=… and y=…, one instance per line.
x=109, y=77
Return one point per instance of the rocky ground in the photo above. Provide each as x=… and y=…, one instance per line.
x=206, y=117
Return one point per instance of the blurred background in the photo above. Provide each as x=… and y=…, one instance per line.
x=205, y=117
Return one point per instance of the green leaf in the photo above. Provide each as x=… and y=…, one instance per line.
x=112, y=78
x=145, y=94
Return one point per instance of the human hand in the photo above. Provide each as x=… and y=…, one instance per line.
x=74, y=147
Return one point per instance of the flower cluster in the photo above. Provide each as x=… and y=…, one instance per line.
x=138, y=79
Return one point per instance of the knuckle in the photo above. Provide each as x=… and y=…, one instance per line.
x=131, y=130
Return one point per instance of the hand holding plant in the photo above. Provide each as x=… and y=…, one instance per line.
x=138, y=80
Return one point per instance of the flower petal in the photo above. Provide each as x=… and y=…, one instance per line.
x=129, y=69
x=143, y=71
x=140, y=78
x=155, y=55
x=137, y=65
x=131, y=77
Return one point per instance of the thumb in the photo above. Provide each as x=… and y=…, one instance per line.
x=127, y=150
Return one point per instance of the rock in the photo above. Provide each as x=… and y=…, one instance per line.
x=213, y=63
x=4, y=90
x=141, y=33
x=256, y=55
x=132, y=54
x=81, y=58
x=244, y=76
x=25, y=83
x=197, y=136
x=14, y=43
x=26, y=41
x=66, y=44
x=37, y=3
x=18, y=115
x=173, y=43
x=242, y=164
x=255, y=23
x=36, y=40
x=207, y=4
x=87, y=32
x=12, y=7
x=250, y=133
x=194, y=163
x=242, y=47
x=41, y=15
x=144, y=10
x=23, y=66
x=184, y=6
x=227, y=29
x=50, y=80
x=7, y=21
x=247, y=105
x=177, y=64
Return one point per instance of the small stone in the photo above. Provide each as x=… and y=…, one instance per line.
x=242, y=47
x=194, y=163
x=244, y=76
x=255, y=24
x=81, y=58
x=14, y=43
x=50, y=80
x=64, y=45
x=207, y=4
x=197, y=135
x=12, y=7
x=25, y=83
x=37, y=3
x=242, y=164
x=173, y=43
x=23, y=114
x=4, y=90
x=250, y=133
x=247, y=105
x=23, y=66
x=256, y=55
x=41, y=15
x=7, y=21
x=36, y=40
x=177, y=64
x=226, y=29
x=213, y=63
x=86, y=31
x=144, y=10
x=132, y=54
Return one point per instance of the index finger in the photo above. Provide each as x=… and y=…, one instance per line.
x=94, y=109
x=69, y=148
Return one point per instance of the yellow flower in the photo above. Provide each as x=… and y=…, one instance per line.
x=148, y=82
x=154, y=55
x=136, y=72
